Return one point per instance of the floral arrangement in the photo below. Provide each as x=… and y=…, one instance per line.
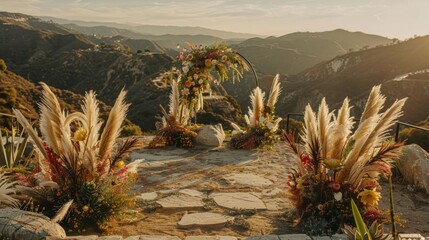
x=335, y=166
x=77, y=165
x=174, y=129
x=262, y=123
x=198, y=64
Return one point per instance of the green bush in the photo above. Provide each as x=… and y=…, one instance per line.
x=131, y=130
x=3, y=66
x=417, y=136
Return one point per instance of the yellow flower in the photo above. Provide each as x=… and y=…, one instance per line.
x=85, y=208
x=332, y=163
x=80, y=135
x=120, y=164
x=369, y=197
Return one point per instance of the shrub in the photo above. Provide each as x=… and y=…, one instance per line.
x=417, y=136
x=3, y=66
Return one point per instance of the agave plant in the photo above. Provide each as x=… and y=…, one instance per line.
x=261, y=120
x=12, y=149
x=342, y=164
x=74, y=155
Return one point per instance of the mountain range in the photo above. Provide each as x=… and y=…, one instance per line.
x=334, y=64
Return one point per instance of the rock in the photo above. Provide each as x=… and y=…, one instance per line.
x=22, y=225
x=192, y=192
x=210, y=135
x=206, y=219
x=181, y=202
x=294, y=237
x=152, y=237
x=238, y=200
x=264, y=237
x=248, y=179
x=211, y=238
x=114, y=237
x=147, y=196
x=414, y=166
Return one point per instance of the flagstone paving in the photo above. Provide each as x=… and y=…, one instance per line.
x=186, y=192
x=204, y=219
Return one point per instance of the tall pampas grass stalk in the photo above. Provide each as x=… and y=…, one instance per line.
x=262, y=124
x=343, y=165
x=77, y=162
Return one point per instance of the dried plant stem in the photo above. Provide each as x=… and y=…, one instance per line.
x=392, y=209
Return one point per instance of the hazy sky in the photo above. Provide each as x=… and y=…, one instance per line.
x=392, y=18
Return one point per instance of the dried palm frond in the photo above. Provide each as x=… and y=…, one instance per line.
x=274, y=92
x=93, y=123
x=341, y=129
x=257, y=102
x=309, y=133
x=51, y=119
x=374, y=103
x=324, y=124
x=7, y=188
x=113, y=126
x=62, y=212
x=127, y=146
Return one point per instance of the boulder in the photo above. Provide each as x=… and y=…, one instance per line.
x=23, y=225
x=414, y=166
x=210, y=135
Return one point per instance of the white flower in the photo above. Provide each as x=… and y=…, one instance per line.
x=200, y=81
x=338, y=196
x=185, y=91
x=270, y=125
x=196, y=76
x=185, y=69
x=261, y=119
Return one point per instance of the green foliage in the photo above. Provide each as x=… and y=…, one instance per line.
x=362, y=229
x=3, y=66
x=12, y=150
x=131, y=130
x=417, y=136
x=257, y=137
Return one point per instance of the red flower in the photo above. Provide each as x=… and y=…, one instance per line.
x=305, y=159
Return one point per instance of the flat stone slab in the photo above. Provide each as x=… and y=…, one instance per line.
x=150, y=196
x=238, y=200
x=181, y=202
x=152, y=237
x=264, y=237
x=159, y=155
x=248, y=179
x=192, y=192
x=211, y=238
x=204, y=219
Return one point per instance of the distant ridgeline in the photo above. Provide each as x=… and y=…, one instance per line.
x=334, y=64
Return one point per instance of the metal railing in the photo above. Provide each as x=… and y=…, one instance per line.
x=397, y=128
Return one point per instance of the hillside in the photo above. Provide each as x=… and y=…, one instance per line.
x=104, y=68
x=157, y=29
x=19, y=93
x=400, y=68
x=295, y=52
x=164, y=40
x=24, y=39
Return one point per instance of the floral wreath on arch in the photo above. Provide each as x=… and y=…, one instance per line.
x=198, y=64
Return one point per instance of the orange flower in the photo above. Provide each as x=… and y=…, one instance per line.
x=208, y=62
x=188, y=83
